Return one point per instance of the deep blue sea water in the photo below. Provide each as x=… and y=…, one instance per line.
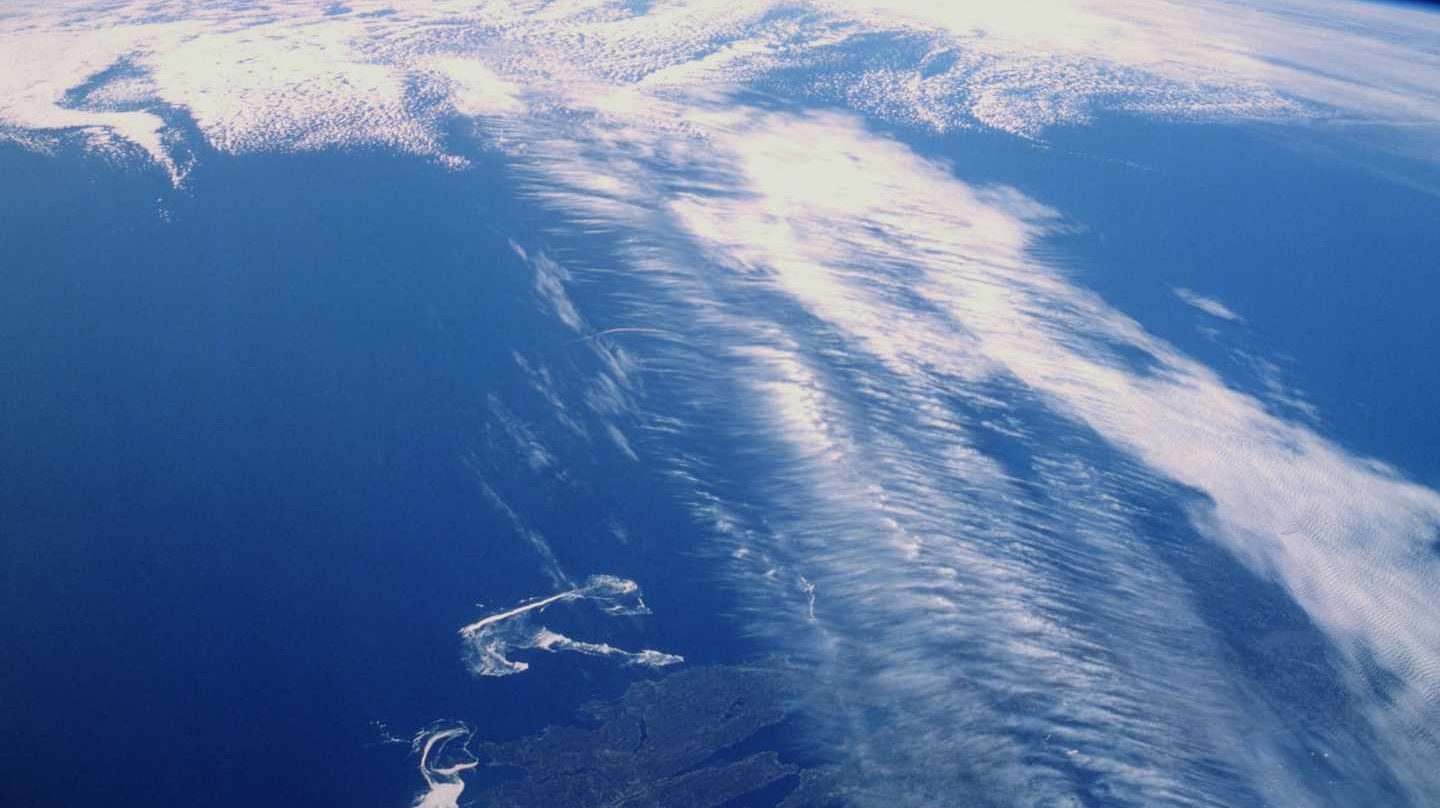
x=239, y=500
x=239, y=525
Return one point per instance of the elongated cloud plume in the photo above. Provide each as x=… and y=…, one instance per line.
x=894, y=340
x=1209, y=305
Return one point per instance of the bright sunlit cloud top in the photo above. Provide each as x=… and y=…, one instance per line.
x=284, y=75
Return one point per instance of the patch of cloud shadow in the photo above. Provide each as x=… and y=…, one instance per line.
x=89, y=94
x=936, y=64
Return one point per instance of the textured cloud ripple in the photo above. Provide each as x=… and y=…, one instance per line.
x=899, y=346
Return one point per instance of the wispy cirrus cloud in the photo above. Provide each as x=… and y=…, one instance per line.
x=896, y=343
x=1209, y=305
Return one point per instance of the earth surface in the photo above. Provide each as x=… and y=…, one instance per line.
x=720, y=403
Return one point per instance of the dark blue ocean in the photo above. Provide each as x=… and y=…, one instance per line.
x=246, y=425
x=240, y=510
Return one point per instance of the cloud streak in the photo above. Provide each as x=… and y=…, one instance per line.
x=895, y=339
x=1209, y=305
